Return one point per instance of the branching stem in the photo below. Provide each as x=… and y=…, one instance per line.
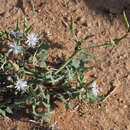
x=76, y=51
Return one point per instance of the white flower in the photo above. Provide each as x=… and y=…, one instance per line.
x=17, y=34
x=21, y=85
x=32, y=39
x=14, y=48
x=95, y=88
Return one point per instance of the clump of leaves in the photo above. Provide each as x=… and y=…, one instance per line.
x=27, y=80
x=24, y=57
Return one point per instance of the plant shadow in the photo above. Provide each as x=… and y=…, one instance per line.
x=20, y=5
x=22, y=116
x=52, y=44
x=107, y=7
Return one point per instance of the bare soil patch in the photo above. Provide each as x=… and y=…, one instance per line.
x=100, y=19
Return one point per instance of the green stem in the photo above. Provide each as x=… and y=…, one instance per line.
x=70, y=59
x=66, y=63
x=5, y=61
x=77, y=50
x=105, y=44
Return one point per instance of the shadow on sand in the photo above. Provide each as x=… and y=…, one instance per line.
x=106, y=7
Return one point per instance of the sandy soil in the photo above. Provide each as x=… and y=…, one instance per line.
x=101, y=19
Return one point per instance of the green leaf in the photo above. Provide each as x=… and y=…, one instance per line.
x=93, y=99
x=25, y=24
x=70, y=73
x=126, y=20
x=69, y=106
x=48, y=98
x=84, y=58
x=88, y=85
x=87, y=69
x=33, y=93
x=41, y=57
x=76, y=63
x=94, y=57
x=46, y=105
x=62, y=99
x=9, y=66
x=90, y=97
x=19, y=101
x=1, y=33
x=9, y=110
x=2, y=112
x=45, y=46
x=42, y=64
x=8, y=30
x=43, y=95
x=44, y=115
x=72, y=28
x=100, y=98
x=28, y=30
x=75, y=94
x=34, y=59
x=18, y=25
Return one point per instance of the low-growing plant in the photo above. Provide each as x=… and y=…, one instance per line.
x=27, y=81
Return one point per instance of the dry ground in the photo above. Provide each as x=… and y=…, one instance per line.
x=100, y=18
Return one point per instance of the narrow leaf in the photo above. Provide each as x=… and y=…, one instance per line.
x=18, y=25
x=126, y=20
x=9, y=110
x=2, y=112
x=75, y=63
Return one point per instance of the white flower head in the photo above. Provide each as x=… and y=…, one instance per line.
x=15, y=48
x=95, y=88
x=21, y=85
x=32, y=39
